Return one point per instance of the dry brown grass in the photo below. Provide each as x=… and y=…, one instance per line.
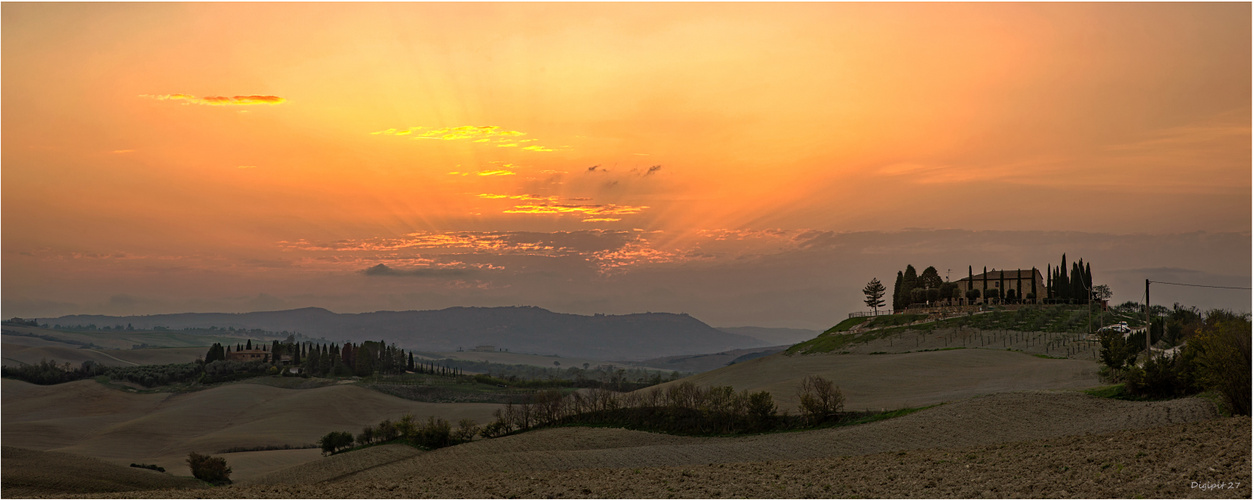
x=20, y=353
x=30, y=473
x=85, y=418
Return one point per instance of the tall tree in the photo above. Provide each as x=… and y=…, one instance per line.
x=930, y=279
x=1019, y=285
x=1061, y=283
x=1033, y=292
x=897, y=293
x=984, y=292
x=1049, y=284
x=909, y=281
x=874, y=291
x=1077, y=282
x=1001, y=283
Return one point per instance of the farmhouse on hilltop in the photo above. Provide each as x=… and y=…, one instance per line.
x=1022, y=281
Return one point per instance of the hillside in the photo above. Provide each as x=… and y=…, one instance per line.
x=29, y=473
x=772, y=336
x=88, y=419
x=706, y=362
x=1034, y=444
x=518, y=329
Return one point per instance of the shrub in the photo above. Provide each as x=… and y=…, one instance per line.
x=335, y=441
x=149, y=466
x=1222, y=353
x=212, y=470
x=820, y=399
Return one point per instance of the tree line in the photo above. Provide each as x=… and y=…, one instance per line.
x=682, y=408
x=331, y=359
x=1213, y=355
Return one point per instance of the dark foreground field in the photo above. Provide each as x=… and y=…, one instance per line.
x=1036, y=444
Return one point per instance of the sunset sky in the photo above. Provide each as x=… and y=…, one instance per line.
x=749, y=164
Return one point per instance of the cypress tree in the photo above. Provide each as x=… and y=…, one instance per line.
x=1019, y=284
x=1088, y=279
x=1049, y=284
x=909, y=281
x=897, y=293
x=1063, y=285
x=984, y=292
x=1034, y=297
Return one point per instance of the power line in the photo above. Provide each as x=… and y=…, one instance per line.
x=1202, y=286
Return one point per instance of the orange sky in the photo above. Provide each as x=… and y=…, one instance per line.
x=230, y=147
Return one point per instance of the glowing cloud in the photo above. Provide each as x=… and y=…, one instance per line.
x=239, y=100
x=486, y=173
x=560, y=209
x=479, y=133
x=493, y=134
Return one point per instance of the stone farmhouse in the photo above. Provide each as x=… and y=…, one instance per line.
x=1022, y=281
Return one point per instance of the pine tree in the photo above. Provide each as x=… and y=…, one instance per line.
x=874, y=292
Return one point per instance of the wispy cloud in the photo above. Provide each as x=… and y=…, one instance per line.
x=484, y=134
x=422, y=272
x=479, y=133
x=523, y=197
x=561, y=209
x=239, y=100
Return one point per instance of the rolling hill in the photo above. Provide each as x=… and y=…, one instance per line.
x=518, y=329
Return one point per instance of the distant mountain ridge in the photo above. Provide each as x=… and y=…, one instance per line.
x=526, y=329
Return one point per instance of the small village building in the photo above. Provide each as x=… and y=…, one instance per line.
x=1019, y=280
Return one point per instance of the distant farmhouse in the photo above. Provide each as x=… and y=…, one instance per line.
x=1021, y=281
x=484, y=348
x=247, y=355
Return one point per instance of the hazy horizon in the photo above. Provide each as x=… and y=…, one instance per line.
x=748, y=164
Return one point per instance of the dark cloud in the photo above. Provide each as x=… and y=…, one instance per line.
x=652, y=170
x=426, y=272
x=596, y=168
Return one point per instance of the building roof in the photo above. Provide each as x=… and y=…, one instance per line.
x=1010, y=274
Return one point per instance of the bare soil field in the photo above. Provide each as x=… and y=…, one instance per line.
x=40, y=473
x=88, y=419
x=1035, y=444
x=892, y=381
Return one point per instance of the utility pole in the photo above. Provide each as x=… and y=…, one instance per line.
x=1148, y=325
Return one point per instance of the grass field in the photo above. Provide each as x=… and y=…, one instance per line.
x=892, y=381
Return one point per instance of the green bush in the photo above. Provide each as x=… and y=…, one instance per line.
x=1222, y=353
